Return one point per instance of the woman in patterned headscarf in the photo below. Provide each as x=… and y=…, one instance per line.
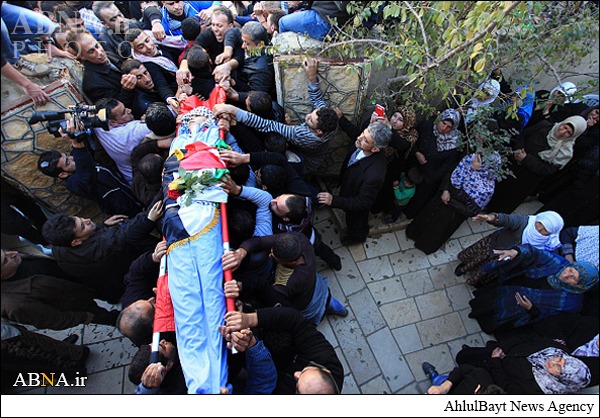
x=404, y=137
x=532, y=365
x=466, y=193
x=435, y=155
x=543, y=284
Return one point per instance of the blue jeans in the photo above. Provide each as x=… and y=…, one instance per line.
x=19, y=24
x=307, y=22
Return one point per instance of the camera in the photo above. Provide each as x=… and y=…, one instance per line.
x=86, y=114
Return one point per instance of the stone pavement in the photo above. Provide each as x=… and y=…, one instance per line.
x=405, y=308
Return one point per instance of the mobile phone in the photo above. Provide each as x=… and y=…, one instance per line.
x=380, y=110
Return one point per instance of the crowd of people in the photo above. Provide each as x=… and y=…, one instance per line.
x=144, y=62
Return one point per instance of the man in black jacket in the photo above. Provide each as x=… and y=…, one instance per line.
x=311, y=368
x=100, y=257
x=115, y=24
x=362, y=176
x=101, y=76
x=85, y=178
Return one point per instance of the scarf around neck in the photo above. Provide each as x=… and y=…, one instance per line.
x=561, y=150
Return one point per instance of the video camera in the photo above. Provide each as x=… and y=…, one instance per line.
x=84, y=113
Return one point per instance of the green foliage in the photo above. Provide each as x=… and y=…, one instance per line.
x=444, y=50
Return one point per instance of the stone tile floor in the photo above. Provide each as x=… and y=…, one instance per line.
x=405, y=308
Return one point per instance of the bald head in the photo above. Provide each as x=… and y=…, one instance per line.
x=136, y=321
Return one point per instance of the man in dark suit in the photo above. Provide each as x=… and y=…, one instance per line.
x=362, y=176
x=101, y=76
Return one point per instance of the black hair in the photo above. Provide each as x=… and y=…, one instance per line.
x=151, y=167
x=275, y=16
x=272, y=177
x=190, y=28
x=240, y=174
x=132, y=34
x=160, y=119
x=130, y=65
x=261, y=104
x=287, y=247
x=414, y=176
x=297, y=208
x=198, y=60
x=224, y=11
x=241, y=226
x=328, y=120
x=275, y=142
x=48, y=163
x=108, y=104
x=59, y=230
x=63, y=12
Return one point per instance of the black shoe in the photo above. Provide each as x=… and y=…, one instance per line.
x=348, y=240
x=460, y=269
x=71, y=339
x=335, y=263
x=429, y=370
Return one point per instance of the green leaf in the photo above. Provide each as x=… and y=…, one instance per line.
x=479, y=65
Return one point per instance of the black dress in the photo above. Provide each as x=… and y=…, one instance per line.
x=512, y=191
x=439, y=164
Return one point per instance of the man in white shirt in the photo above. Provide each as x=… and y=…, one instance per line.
x=123, y=136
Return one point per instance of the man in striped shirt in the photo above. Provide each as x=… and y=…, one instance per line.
x=310, y=138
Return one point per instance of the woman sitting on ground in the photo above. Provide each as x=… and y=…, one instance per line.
x=545, y=150
x=436, y=155
x=467, y=191
x=531, y=366
x=541, y=231
x=542, y=283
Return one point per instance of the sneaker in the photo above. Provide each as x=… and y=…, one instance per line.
x=435, y=378
x=32, y=69
x=460, y=270
x=336, y=308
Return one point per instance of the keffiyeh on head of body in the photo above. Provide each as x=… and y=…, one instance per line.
x=561, y=147
x=447, y=141
x=553, y=223
x=587, y=278
x=198, y=112
x=476, y=175
x=558, y=373
x=566, y=89
x=490, y=91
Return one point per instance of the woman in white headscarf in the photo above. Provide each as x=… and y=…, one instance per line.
x=541, y=231
x=557, y=105
x=545, y=151
x=486, y=95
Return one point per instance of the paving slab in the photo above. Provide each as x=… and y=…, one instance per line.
x=350, y=387
x=400, y=313
x=409, y=261
x=433, y=304
x=441, y=329
x=388, y=290
x=378, y=268
x=459, y=296
x=349, y=276
x=408, y=338
x=383, y=245
x=462, y=231
x=390, y=359
x=356, y=348
x=110, y=354
x=377, y=386
x=404, y=242
x=108, y=382
x=443, y=276
x=366, y=311
x=417, y=283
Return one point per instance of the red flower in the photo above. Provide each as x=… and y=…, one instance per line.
x=174, y=194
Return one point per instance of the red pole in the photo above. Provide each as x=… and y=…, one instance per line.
x=225, y=231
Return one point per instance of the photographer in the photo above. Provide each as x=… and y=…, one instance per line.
x=85, y=178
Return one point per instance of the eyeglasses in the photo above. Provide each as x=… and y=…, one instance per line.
x=324, y=370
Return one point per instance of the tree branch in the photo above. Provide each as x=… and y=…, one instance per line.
x=425, y=40
x=554, y=72
x=489, y=28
